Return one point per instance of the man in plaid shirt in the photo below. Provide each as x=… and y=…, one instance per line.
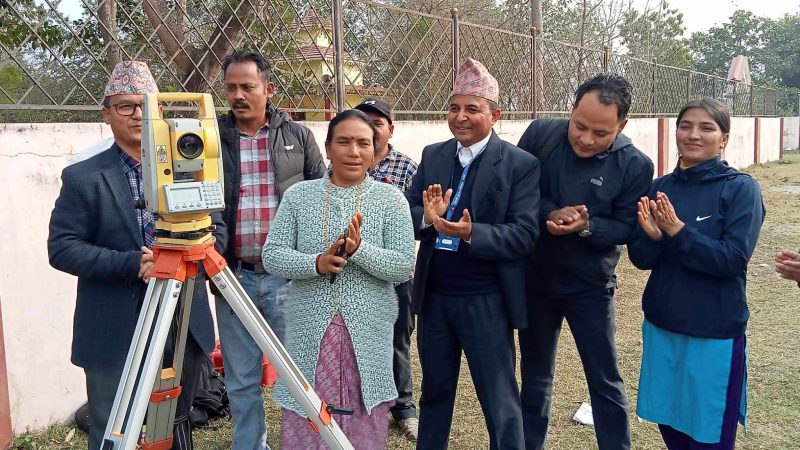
x=395, y=168
x=264, y=153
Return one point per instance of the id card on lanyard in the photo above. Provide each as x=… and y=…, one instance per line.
x=443, y=241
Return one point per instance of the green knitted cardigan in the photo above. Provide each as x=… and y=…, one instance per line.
x=363, y=292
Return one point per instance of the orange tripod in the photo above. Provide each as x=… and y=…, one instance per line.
x=148, y=389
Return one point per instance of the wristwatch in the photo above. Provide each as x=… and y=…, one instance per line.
x=586, y=232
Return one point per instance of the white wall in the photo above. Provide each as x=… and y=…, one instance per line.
x=791, y=133
x=740, y=152
x=769, y=139
x=644, y=134
x=672, y=147
x=38, y=301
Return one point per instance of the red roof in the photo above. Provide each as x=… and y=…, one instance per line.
x=315, y=52
x=310, y=21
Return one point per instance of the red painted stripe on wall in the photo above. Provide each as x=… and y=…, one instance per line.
x=757, y=141
x=663, y=145
x=6, y=436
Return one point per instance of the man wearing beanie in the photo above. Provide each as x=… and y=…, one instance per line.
x=474, y=202
x=98, y=235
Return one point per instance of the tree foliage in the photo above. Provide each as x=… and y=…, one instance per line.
x=772, y=47
x=656, y=34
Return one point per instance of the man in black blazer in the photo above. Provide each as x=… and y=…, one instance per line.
x=98, y=235
x=474, y=202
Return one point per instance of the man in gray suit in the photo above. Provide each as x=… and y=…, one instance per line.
x=98, y=235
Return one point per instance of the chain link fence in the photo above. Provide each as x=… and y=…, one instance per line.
x=56, y=55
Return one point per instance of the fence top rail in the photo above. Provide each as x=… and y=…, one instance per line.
x=567, y=44
x=496, y=30
x=67, y=72
x=401, y=10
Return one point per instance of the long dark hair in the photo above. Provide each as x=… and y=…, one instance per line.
x=716, y=109
x=351, y=114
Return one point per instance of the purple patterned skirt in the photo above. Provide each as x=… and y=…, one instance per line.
x=338, y=383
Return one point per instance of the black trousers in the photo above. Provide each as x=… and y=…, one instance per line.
x=101, y=387
x=403, y=328
x=479, y=325
x=591, y=319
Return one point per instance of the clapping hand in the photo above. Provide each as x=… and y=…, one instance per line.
x=353, y=239
x=665, y=216
x=434, y=204
x=787, y=264
x=461, y=229
x=330, y=262
x=568, y=220
x=647, y=220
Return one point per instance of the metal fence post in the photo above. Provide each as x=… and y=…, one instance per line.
x=764, y=99
x=714, y=86
x=338, y=52
x=752, y=113
x=456, y=44
x=653, y=88
x=534, y=74
x=735, y=84
x=776, y=103
x=605, y=57
x=688, y=86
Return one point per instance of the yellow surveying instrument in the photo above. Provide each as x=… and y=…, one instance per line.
x=182, y=178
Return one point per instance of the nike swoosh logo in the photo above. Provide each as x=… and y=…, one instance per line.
x=700, y=219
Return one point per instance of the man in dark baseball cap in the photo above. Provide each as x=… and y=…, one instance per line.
x=378, y=106
x=395, y=168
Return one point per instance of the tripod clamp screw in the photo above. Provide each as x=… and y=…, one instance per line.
x=340, y=411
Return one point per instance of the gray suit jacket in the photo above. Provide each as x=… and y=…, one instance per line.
x=95, y=236
x=504, y=208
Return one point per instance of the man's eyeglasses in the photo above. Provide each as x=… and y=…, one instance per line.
x=127, y=109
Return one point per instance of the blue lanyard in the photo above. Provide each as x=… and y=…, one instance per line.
x=457, y=196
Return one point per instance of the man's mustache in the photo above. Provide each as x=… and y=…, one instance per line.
x=241, y=105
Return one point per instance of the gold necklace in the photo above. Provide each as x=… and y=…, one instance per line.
x=328, y=204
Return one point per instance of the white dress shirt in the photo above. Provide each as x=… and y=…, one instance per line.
x=467, y=154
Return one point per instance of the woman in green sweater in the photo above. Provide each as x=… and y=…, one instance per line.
x=340, y=310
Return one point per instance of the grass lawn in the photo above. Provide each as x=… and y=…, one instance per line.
x=774, y=337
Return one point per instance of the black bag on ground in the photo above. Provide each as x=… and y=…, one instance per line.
x=211, y=400
x=82, y=418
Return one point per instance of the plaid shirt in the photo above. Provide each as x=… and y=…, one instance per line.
x=133, y=171
x=397, y=169
x=258, y=196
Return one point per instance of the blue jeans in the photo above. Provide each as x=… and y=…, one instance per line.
x=242, y=358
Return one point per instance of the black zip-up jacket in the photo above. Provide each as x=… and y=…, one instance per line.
x=609, y=184
x=292, y=150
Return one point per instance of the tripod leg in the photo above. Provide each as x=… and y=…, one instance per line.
x=317, y=411
x=161, y=415
x=142, y=365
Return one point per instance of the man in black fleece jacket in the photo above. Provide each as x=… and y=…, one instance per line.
x=592, y=177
